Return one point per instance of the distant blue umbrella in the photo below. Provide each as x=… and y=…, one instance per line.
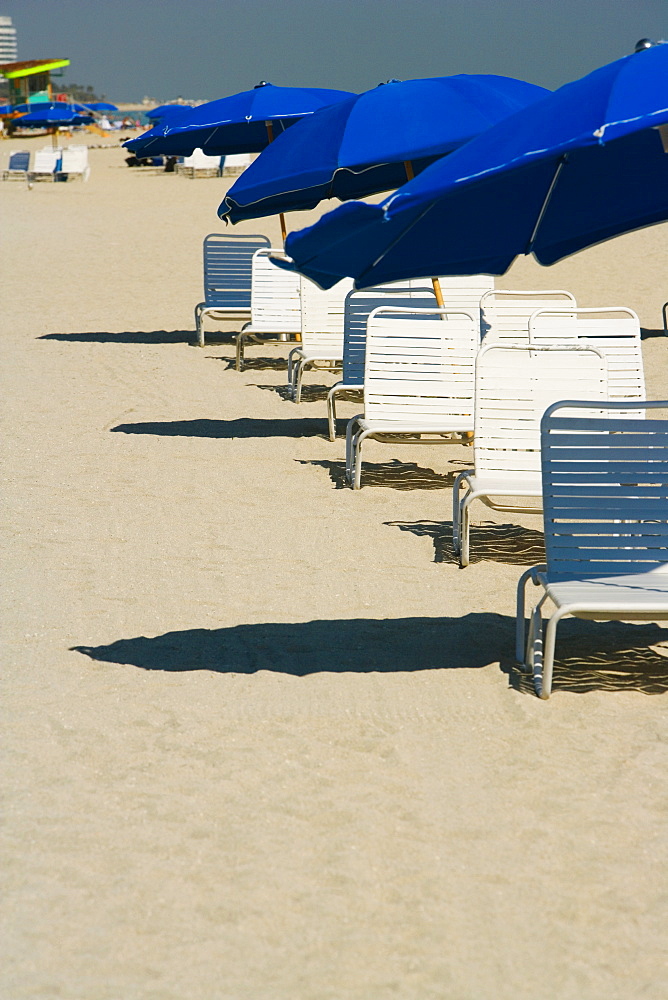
x=166, y=112
x=101, y=106
x=242, y=123
x=372, y=141
x=583, y=165
x=54, y=116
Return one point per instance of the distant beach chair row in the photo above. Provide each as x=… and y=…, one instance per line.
x=199, y=164
x=501, y=367
x=50, y=163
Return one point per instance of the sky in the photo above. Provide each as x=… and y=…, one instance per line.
x=204, y=49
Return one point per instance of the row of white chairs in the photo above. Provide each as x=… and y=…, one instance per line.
x=53, y=163
x=503, y=367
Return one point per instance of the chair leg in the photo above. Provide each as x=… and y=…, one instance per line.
x=199, y=326
x=294, y=353
x=544, y=688
x=350, y=434
x=299, y=371
x=360, y=437
x=460, y=519
x=331, y=412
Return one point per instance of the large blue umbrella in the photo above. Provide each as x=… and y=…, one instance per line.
x=242, y=123
x=372, y=141
x=583, y=165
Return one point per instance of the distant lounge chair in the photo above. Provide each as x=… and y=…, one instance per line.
x=227, y=278
x=605, y=497
x=47, y=162
x=418, y=379
x=198, y=164
x=74, y=163
x=514, y=385
x=18, y=165
x=234, y=164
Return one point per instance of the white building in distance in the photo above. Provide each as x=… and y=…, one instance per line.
x=7, y=40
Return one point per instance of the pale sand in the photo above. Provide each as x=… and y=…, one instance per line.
x=298, y=762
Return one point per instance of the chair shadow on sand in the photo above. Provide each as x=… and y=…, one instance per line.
x=505, y=543
x=394, y=475
x=242, y=427
x=593, y=657
x=129, y=337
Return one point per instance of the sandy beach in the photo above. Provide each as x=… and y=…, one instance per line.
x=263, y=739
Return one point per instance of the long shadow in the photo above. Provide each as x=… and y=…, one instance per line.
x=394, y=475
x=341, y=646
x=505, y=543
x=129, y=337
x=647, y=334
x=591, y=656
x=242, y=427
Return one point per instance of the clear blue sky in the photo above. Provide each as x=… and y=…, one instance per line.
x=128, y=49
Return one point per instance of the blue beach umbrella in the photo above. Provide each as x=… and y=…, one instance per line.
x=242, y=123
x=372, y=142
x=168, y=112
x=101, y=106
x=55, y=115
x=580, y=166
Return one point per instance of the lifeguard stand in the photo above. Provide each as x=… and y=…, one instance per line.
x=30, y=81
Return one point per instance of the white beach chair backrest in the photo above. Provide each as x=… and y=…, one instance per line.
x=605, y=491
x=465, y=291
x=419, y=365
x=359, y=306
x=275, y=295
x=514, y=385
x=615, y=330
x=505, y=313
x=322, y=315
x=74, y=160
x=198, y=160
x=46, y=160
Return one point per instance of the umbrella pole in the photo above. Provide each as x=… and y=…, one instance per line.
x=281, y=217
x=410, y=174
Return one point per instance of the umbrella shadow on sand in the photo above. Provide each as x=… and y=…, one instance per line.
x=505, y=543
x=604, y=657
x=128, y=337
x=242, y=427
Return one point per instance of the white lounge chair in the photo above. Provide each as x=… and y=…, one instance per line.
x=514, y=385
x=275, y=303
x=198, y=164
x=605, y=496
x=227, y=278
x=505, y=313
x=358, y=307
x=74, y=163
x=46, y=164
x=613, y=329
x=234, y=164
x=418, y=378
x=322, y=316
